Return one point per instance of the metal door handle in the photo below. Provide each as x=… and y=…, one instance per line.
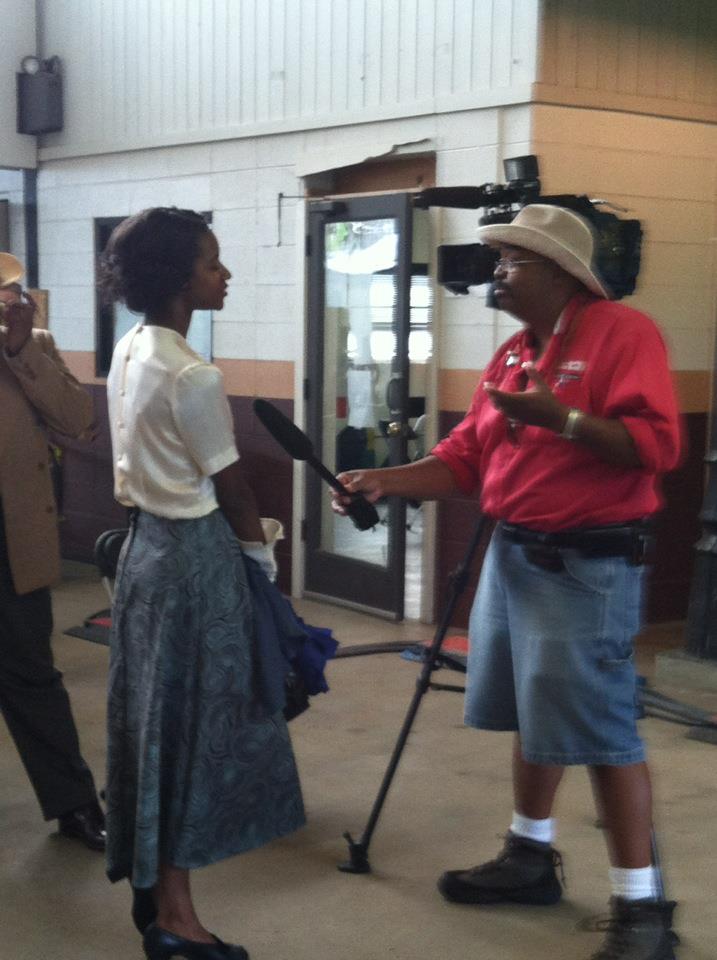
x=393, y=393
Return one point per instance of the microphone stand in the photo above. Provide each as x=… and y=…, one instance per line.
x=358, y=850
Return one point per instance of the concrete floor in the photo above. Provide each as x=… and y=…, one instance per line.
x=450, y=803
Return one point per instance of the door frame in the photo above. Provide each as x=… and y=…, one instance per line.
x=338, y=577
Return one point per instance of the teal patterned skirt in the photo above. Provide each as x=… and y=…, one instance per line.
x=196, y=769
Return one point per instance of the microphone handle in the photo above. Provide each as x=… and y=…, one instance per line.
x=363, y=514
x=327, y=474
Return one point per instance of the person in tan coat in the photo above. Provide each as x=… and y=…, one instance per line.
x=37, y=393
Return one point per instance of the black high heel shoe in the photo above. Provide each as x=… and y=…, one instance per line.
x=144, y=909
x=161, y=945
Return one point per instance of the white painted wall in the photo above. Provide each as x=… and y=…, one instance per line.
x=664, y=170
x=17, y=30
x=239, y=181
x=142, y=74
x=272, y=88
x=11, y=190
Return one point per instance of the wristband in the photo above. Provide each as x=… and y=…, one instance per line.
x=570, y=430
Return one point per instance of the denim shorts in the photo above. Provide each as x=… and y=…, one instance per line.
x=551, y=655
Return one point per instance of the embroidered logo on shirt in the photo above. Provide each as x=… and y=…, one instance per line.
x=569, y=371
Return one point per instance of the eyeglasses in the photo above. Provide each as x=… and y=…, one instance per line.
x=512, y=264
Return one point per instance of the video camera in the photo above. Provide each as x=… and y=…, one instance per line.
x=464, y=265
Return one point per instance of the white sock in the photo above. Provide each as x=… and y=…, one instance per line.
x=543, y=831
x=639, y=884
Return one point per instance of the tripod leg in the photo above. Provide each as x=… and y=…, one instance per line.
x=358, y=850
x=358, y=862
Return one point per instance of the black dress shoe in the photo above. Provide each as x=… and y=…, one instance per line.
x=161, y=945
x=144, y=907
x=86, y=824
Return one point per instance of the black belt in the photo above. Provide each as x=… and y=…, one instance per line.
x=632, y=540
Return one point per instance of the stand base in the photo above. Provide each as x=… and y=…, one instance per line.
x=704, y=734
x=358, y=854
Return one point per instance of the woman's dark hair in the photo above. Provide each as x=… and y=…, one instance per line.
x=150, y=256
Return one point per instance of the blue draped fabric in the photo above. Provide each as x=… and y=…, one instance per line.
x=285, y=643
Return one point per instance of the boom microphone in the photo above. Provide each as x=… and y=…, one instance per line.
x=299, y=447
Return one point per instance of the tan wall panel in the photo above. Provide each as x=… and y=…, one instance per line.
x=677, y=222
x=692, y=261
x=665, y=173
x=602, y=100
x=634, y=55
x=689, y=349
x=610, y=128
x=624, y=170
x=690, y=306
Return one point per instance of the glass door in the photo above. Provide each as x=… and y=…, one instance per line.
x=358, y=389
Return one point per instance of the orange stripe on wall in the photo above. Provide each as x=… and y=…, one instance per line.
x=242, y=378
x=456, y=388
x=81, y=364
x=258, y=378
x=275, y=378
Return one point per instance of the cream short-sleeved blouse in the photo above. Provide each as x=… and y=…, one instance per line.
x=170, y=423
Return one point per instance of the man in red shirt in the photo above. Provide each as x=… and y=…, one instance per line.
x=567, y=434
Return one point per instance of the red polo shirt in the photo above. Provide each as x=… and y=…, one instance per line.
x=606, y=359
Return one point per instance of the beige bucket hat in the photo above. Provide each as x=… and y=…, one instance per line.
x=555, y=233
x=11, y=270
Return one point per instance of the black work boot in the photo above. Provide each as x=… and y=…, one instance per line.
x=638, y=930
x=524, y=872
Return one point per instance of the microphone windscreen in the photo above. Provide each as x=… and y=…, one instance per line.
x=283, y=430
x=467, y=198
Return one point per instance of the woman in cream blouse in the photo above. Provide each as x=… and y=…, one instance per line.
x=198, y=768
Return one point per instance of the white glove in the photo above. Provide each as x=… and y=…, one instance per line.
x=263, y=553
x=264, y=556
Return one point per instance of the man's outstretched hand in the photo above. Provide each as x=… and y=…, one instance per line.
x=369, y=483
x=536, y=406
